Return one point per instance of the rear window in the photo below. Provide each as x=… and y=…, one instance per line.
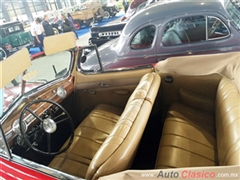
x=143, y=38
x=14, y=29
x=193, y=29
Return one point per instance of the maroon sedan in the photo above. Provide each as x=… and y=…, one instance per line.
x=172, y=28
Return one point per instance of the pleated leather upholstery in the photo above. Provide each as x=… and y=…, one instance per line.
x=107, y=139
x=228, y=123
x=88, y=137
x=188, y=139
x=192, y=137
x=118, y=150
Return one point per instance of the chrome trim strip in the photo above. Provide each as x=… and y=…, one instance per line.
x=7, y=153
x=109, y=33
x=212, y=39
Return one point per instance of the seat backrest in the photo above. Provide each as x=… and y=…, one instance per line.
x=171, y=38
x=228, y=123
x=118, y=150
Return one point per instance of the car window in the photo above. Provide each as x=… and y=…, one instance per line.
x=216, y=28
x=89, y=61
x=193, y=29
x=17, y=28
x=14, y=29
x=233, y=8
x=11, y=29
x=184, y=30
x=144, y=38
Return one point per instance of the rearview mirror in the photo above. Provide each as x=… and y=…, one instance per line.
x=89, y=60
x=83, y=59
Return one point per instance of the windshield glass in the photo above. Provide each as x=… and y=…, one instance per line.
x=233, y=8
x=41, y=71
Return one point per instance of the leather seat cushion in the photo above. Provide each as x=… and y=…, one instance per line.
x=193, y=116
x=88, y=137
x=188, y=139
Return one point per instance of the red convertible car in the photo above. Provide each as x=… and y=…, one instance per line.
x=179, y=118
x=173, y=28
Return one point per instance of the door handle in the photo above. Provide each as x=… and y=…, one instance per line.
x=91, y=91
x=102, y=84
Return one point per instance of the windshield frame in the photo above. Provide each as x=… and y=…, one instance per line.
x=4, y=149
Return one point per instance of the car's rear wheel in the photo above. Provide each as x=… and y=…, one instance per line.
x=3, y=54
x=77, y=25
x=106, y=15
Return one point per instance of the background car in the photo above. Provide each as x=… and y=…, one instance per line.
x=89, y=12
x=12, y=38
x=103, y=34
x=110, y=10
x=83, y=124
x=164, y=29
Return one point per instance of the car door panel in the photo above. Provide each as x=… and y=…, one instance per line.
x=197, y=49
x=91, y=90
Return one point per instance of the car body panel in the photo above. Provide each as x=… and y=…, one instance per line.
x=159, y=15
x=11, y=171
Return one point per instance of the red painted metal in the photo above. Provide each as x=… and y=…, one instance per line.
x=10, y=170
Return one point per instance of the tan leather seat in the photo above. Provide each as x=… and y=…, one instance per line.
x=88, y=137
x=192, y=137
x=106, y=142
x=227, y=119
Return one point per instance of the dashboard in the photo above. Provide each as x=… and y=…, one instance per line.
x=56, y=92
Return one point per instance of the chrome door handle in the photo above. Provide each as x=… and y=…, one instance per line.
x=91, y=91
x=102, y=84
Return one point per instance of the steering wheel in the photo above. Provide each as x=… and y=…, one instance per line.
x=47, y=126
x=213, y=27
